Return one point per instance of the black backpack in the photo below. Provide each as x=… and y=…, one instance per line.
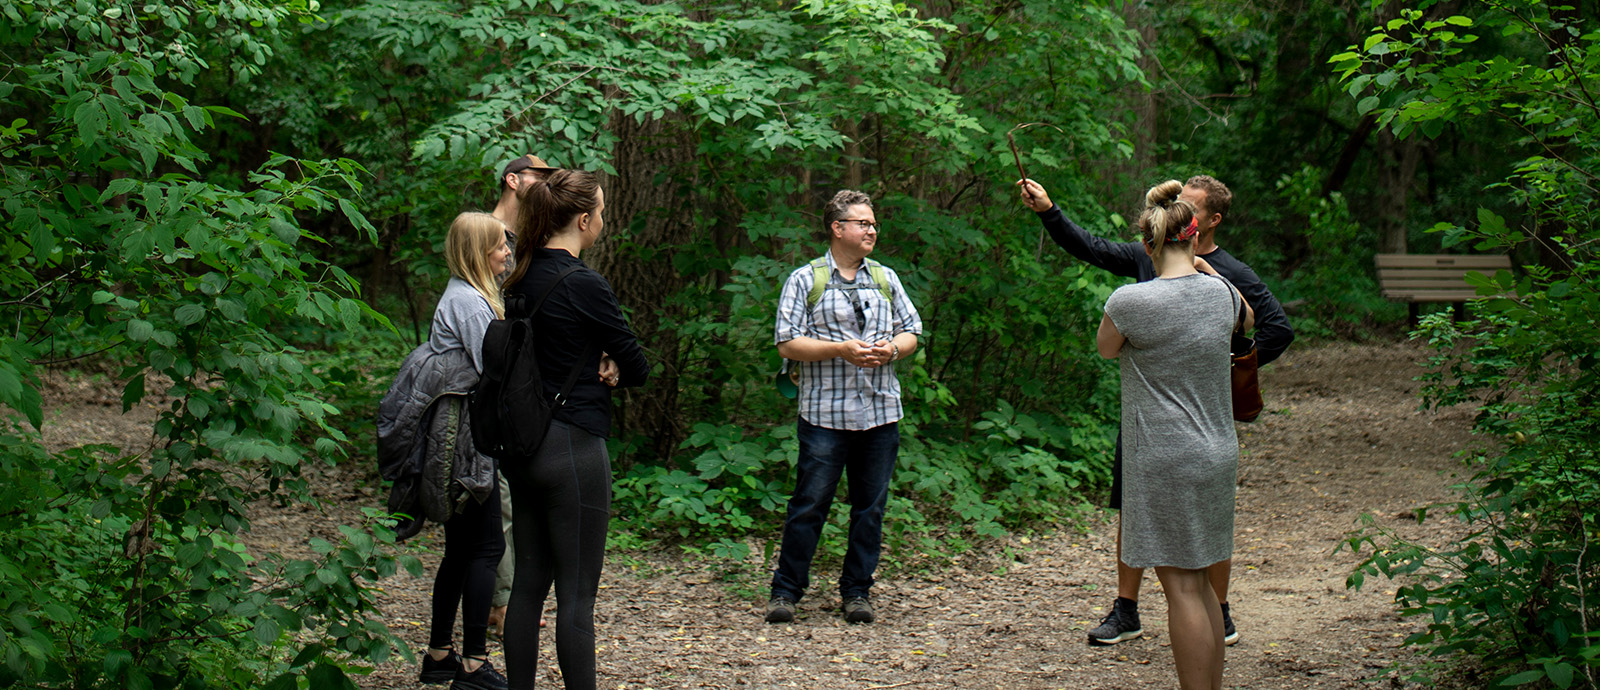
x=510, y=413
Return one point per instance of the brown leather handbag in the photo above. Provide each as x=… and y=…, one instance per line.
x=1246, y=386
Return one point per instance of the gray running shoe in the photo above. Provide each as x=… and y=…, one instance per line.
x=780, y=610
x=1121, y=625
x=857, y=610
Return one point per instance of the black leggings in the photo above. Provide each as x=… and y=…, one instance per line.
x=561, y=498
x=473, y=543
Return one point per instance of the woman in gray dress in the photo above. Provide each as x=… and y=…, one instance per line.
x=1180, y=454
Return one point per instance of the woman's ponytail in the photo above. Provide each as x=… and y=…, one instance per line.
x=545, y=207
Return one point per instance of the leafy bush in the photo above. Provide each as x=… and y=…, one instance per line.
x=1336, y=284
x=126, y=570
x=1518, y=592
x=1021, y=470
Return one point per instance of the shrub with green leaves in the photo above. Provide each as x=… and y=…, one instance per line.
x=124, y=567
x=1518, y=592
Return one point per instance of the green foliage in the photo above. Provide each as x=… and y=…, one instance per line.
x=1020, y=471
x=126, y=570
x=1335, y=285
x=1518, y=591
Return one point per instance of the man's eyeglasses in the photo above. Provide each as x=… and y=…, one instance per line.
x=868, y=225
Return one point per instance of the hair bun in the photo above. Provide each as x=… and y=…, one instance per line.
x=1163, y=195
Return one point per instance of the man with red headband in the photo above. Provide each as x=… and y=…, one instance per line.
x=1273, y=334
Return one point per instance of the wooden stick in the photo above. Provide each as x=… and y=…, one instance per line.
x=1023, y=174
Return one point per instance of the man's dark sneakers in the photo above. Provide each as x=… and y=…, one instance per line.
x=857, y=610
x=1121, y=625
x=485, y=678
x=1230, y=636
x=440, y=671
x=780, y=610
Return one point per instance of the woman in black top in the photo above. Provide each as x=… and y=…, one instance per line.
x=564, y=489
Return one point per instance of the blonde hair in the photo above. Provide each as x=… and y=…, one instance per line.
x=1165, y=215
x=466, y=249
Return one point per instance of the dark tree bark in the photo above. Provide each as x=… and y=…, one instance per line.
x=1397, y=170
x=1347, y=157
x=647, y=209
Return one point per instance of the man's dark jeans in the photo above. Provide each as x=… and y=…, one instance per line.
x=868, y=457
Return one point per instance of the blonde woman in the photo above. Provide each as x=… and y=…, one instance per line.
x=476, y=252
x=1180, y=454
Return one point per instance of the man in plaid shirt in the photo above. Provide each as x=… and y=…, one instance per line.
x=845, y=342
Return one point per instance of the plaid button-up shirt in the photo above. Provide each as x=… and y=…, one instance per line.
x=835, y=394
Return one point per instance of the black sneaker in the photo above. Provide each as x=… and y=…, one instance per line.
x=1121, y=625
x=485, y=678
x=440, y=671
x=857, y=610
x=1230, y=636
x=780, y=610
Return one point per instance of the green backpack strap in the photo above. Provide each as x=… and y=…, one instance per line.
x=819, y=281
x=821, y=272
x=880, y=277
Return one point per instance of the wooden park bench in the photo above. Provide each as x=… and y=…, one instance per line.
x=1417, y=278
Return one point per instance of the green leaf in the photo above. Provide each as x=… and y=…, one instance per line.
x=43, y=241
x=357, y=219
x=311, y=653
x=118, y=187
x=286, y=232
x=266, y=631
x=1367, y=104
x=189, y=314
x=325, y=676
x=115, y=661
x=1560, y=673
x=1490, y=223
x=1522, y=678
x=91, y=121
x=286, y=681
x=133, y=392
x=139, y=330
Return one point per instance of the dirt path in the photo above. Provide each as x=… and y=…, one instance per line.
x=1342, y=436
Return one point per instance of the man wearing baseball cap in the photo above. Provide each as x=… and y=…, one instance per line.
x=517, y=174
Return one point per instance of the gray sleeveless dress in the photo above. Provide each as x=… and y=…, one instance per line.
x=1180, y=454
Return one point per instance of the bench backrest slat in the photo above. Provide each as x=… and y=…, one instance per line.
x=1442, y=261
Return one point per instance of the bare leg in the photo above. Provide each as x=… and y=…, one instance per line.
x=1194, y=619
x=1218, y=573
x=1128, y=579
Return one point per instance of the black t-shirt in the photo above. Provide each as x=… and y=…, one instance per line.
x=580, y=320
x=1273, y=332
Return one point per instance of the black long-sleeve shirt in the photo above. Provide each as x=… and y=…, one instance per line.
x=1273, y=332
x=580, y=320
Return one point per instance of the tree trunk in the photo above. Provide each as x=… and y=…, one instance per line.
x=647, y=208
x=1397, y=170
x=1146, y=106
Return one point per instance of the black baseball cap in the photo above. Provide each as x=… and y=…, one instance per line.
x=528, y=162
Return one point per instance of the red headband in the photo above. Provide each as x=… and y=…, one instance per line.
x=1190, y=230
